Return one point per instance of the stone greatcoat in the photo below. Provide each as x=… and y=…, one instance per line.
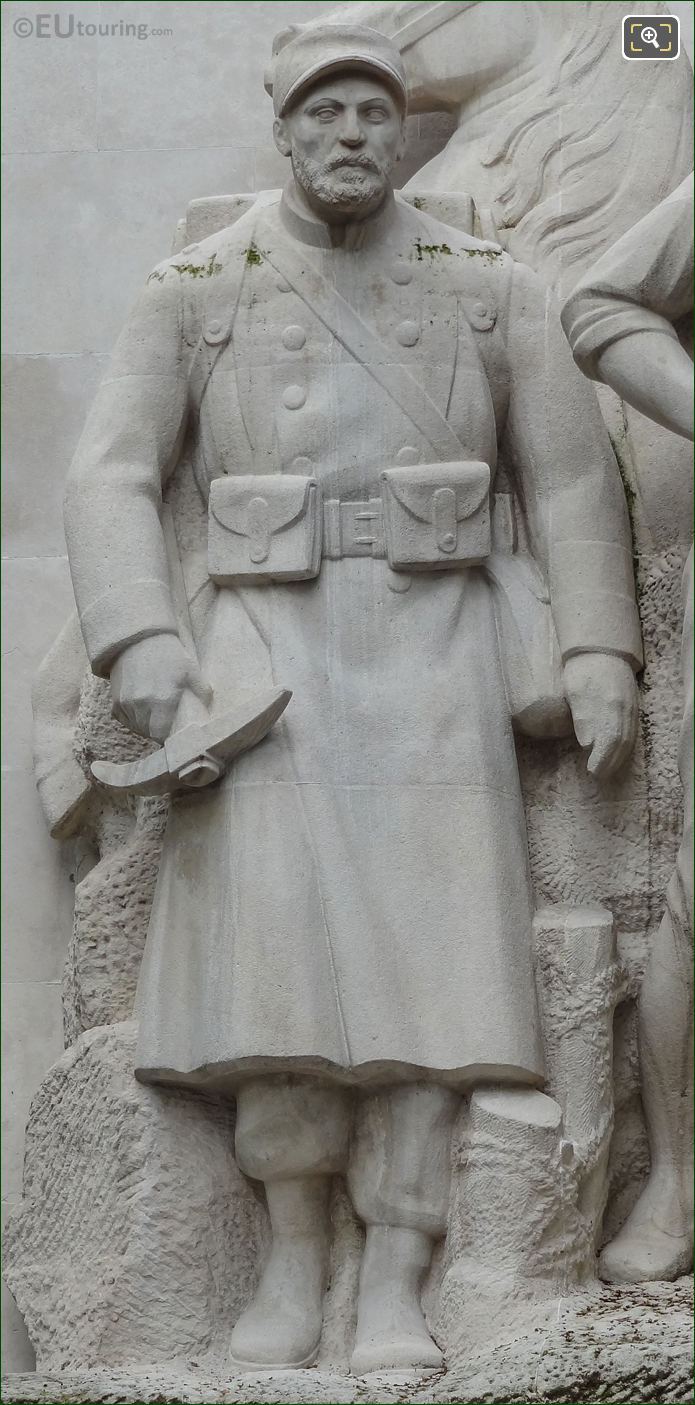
x=353, y=900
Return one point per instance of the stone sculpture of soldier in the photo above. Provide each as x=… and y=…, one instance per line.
x=341, y=932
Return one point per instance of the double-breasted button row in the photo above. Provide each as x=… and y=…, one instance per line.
x=294, y=396
x=293, y=338
x=215, y=331
x=481, y=317
x=407, y=333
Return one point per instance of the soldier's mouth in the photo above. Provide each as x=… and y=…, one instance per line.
x=355, y=163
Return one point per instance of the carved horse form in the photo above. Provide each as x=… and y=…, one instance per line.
x=560, y=142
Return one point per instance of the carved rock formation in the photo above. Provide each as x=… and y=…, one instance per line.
x=138, y=1239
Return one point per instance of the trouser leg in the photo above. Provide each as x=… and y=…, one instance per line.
x=293, y=1137
x=288, y=1128
x=399, y=1178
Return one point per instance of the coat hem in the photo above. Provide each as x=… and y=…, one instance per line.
x=225, y=1075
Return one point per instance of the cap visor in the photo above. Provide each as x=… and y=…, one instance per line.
x=339, y=64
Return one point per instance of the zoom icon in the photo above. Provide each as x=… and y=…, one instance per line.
x=651, y=37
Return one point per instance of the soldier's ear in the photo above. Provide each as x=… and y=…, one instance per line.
x=282, y=140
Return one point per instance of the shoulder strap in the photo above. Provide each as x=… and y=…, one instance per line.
x=365, y=346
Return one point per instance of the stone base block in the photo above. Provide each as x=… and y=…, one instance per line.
x=629, y=1345
x=138, y=1239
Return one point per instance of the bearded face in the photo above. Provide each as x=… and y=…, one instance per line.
x=344, y=137
x=350, y=183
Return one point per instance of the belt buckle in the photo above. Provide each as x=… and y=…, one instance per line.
x=361, y=528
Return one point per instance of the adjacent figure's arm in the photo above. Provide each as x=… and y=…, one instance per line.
x=619, y=318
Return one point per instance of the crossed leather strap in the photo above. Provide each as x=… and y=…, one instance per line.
x=348, y=328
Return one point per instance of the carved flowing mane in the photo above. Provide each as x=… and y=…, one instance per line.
x=557, y=189
x=555, y=185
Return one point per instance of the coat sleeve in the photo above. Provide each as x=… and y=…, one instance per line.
x=566, y=473
x=114, y=491
x=643, y=283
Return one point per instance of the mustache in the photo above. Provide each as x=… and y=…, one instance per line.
x=364, y=163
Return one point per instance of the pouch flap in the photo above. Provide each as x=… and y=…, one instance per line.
x=423, y=489
x=270, y=502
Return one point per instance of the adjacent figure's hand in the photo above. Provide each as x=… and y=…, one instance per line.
x=602, y=694
x=147, y=682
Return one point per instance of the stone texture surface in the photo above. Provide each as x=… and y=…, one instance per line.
x=579, y=981
x=138, y=1239
x=629, y=1345
x=31, y=1041
x=16, y=1349
x=112, y=903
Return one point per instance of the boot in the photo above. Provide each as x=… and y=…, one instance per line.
x=280, y=1329
x=391, y=1331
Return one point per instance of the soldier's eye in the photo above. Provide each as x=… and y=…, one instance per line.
x=324, y=114
x=376, y=114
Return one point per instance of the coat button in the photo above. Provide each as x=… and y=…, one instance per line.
x=301, y=464
x=407, y=333
x=293, y=338
x=215, y=331
x=401, y=272
x=293, y=397
x=407, y=455
x=282, y=285
x=482, y=318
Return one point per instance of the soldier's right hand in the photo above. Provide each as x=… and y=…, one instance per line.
x=147, y=682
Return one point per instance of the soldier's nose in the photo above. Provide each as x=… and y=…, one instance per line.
x=351, y=133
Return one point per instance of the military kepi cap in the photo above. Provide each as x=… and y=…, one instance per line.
x=305, y=52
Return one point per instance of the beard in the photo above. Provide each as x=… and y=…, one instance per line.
x=350, y=184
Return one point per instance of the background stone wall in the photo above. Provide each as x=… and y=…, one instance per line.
x=106, y=139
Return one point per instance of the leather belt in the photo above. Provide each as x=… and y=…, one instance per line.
x=353, y=529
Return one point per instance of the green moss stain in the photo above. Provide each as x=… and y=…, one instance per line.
x=200, y=270
x=418, y=202
x=620, y=451
x=489, y=254
x=431, y=249
x=252, y=255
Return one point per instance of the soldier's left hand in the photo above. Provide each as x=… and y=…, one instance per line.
x=602, y=694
